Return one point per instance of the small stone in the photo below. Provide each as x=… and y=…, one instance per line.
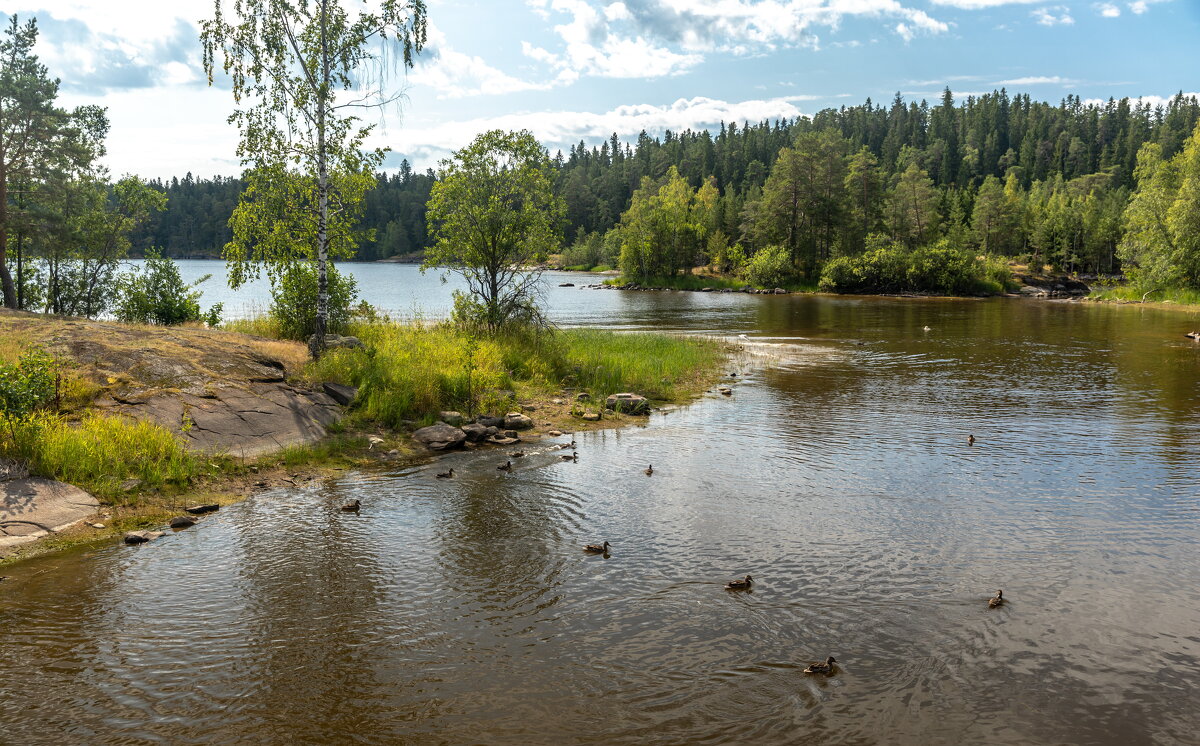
x=511, y=434
x=629, y=403
x=558, y=402
x=554, y=433
x=591, y=417
x=726, y=391
x=96, y=525
x=529, y=407
x=583, y=396
x=182, y=521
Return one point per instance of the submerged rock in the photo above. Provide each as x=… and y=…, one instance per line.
x=182, y=521
x=141, y=537
x=206, y=508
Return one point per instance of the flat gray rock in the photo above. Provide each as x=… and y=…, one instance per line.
x=440, y=436
x=34, y=507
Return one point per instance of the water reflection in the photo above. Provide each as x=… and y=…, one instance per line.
x=464, y=610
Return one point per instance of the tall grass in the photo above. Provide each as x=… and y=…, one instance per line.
x=1180, y=296
x=100, y=452
x=411, y=372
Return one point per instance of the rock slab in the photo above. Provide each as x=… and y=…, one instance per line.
x=34, y=507
x=341, y=394
x=517, y=421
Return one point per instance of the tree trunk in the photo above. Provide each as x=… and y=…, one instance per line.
x=316, y=345
x=6, y=280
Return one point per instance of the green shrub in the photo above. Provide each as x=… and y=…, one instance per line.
x=771, y=266
x=26, y=385
x=294, y=300
x=158, y=295
x=891, y=268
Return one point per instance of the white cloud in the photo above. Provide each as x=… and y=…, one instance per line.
x=1139, y=7
x=1058, y=15
x=560, y=129
x=1038, y=80
x=981, y=4
x=453, y=74
x=1152, y=100
x=1108, y=10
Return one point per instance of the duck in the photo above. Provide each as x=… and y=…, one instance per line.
x=1193, y=335
x=446, y=474
x=352, y=507
x=740, y=585
x=649, y=469
x=996, y=600
x=927, y=329
x=970, y=440
x=573, y=457
x=597, y=548
x=507, y=466
x=517, y=454
x=825, y=668
x=570, y=445
x=374, y=440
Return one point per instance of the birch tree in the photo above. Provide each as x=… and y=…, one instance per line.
x=300, y=70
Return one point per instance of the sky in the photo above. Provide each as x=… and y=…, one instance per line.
x=571, y=70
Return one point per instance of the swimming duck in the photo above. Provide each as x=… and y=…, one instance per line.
x=597, y=548
x=825, y=668
x=506, y=467
x=996, y=600
x=573, y=457
x=446, y=474
x=970, y=440
x=352, y=507
x=927, y=329
x=740, y=585
x=1193, y=335
x=649, y=469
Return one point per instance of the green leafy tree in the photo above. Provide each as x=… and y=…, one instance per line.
x=294, y=300
x=912, y=208
x=991, y=220
x=493, y=213
x=864, y=199
x=158, y=295
x=303, y=68
x=37, y=138
x=665, y=229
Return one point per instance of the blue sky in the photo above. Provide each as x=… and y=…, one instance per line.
x=582, y=69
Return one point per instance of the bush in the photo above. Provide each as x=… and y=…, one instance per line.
x=159, y=296
x=771, y=266
x=26, y=385
x=890, y=268
x=294, y=301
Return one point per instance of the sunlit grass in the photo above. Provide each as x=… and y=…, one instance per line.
x=1130, y=293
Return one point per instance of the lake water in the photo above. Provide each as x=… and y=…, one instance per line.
x=838, y=474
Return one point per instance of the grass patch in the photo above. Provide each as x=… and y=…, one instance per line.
x=1132, y=294
x=411, y=372
x=100, y=452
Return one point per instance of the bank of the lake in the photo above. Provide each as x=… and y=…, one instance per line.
x=156, y=419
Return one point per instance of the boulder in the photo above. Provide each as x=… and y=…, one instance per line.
x=628, y=403
x=475, y=432
x=34, y=507
x=452, y=418
x=440, y=436
x=583, y=396
x=510, y=434
x=566, y=284
x=341, y=394
x=487, y=421
x=206, y=508
x=182, y=521
x=517, y=421
x=141, y=537
x=591, y=417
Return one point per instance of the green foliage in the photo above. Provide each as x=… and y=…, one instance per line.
x=411, y=372
x=891, y=268
x=665, y=227
x=770, y=267
x=158, y=295
x=294, y=300
x=98, y=453
x=494, y=215
x=27, y=384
